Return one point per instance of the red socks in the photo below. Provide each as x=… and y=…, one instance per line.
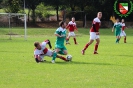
x=63, y=58
x=86, y=46
x=75, y=40
x=96, y=47
x=125, y=40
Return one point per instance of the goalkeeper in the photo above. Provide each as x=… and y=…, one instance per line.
x=41, y=51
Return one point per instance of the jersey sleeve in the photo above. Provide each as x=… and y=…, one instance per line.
x=58, y=32
x=96, y=20
x=44, y=44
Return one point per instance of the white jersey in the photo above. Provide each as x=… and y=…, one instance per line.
x=72, y=23
x=43, y=50
x=123, y=24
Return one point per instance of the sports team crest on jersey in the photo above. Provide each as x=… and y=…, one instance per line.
x=123, y=8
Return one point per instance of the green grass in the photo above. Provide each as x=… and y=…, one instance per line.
x=111, y=68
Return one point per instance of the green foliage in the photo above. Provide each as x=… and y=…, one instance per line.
x=13, y=6
x=43, y=11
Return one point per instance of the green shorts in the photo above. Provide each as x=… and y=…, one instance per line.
x=61, y=47
x=117, y=33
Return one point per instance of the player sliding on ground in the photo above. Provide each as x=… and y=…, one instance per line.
x=59, y=44
x=117, y=26
x=72, y=27
x=122, y=30
x=94, y=33
x=41, y=51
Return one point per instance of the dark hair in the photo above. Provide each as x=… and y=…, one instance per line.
x=61, y=23
x=36, y=44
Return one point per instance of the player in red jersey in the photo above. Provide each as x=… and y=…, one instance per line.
x=122, y=30
x=41, y=51
x=72, y=27
x=94, y=33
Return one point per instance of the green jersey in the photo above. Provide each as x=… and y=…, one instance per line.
x=117, y=27
x=60, y=40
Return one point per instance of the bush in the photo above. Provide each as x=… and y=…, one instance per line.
x=43, y=12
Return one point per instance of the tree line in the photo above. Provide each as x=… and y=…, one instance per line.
x=88, y=7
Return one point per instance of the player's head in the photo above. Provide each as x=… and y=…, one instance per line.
x=117, y=19
x=122, y=20
x=62, y=24
x=37, y=45
x=73, y=19
x=99, y=15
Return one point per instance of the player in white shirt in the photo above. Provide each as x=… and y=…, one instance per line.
x=122, y=30
x=41, y=51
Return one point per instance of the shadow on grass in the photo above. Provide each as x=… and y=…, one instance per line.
x=126, y=55
x=83, y=63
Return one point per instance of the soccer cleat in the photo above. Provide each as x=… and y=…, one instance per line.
x=95, y=53
x=53, y=61
x=83, y=52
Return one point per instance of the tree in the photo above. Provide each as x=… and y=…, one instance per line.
x=11, y=6
x=32, y=4
x=56, y=4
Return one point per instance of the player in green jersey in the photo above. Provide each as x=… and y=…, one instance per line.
x=117, y=26
x=59, y=44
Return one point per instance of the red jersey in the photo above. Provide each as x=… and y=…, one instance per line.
x=123, y=26
x=72, y=26
x=96, y=22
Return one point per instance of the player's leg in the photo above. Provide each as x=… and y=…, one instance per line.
x=63, y=51
x=61, y=57
x=55, y=54
x=96, y=45
x=74, y=38
x=92, y=37
x=124, y=36
x=49, y=53
x=68, y=37
x=117, y=37
x=86, y=46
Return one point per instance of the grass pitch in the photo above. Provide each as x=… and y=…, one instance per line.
x=111, y=68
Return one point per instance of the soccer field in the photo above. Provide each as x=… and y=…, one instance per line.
x=111, y=68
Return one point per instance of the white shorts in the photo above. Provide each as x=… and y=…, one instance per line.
x=123, y=33
x=49, y=54
x=71, y=34
x=93, y=36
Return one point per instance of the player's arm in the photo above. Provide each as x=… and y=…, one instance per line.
x=94, y=27
x=76, y=28
x=67, y=26
x=58, y=34
x=37, y=58
x=113, y=28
